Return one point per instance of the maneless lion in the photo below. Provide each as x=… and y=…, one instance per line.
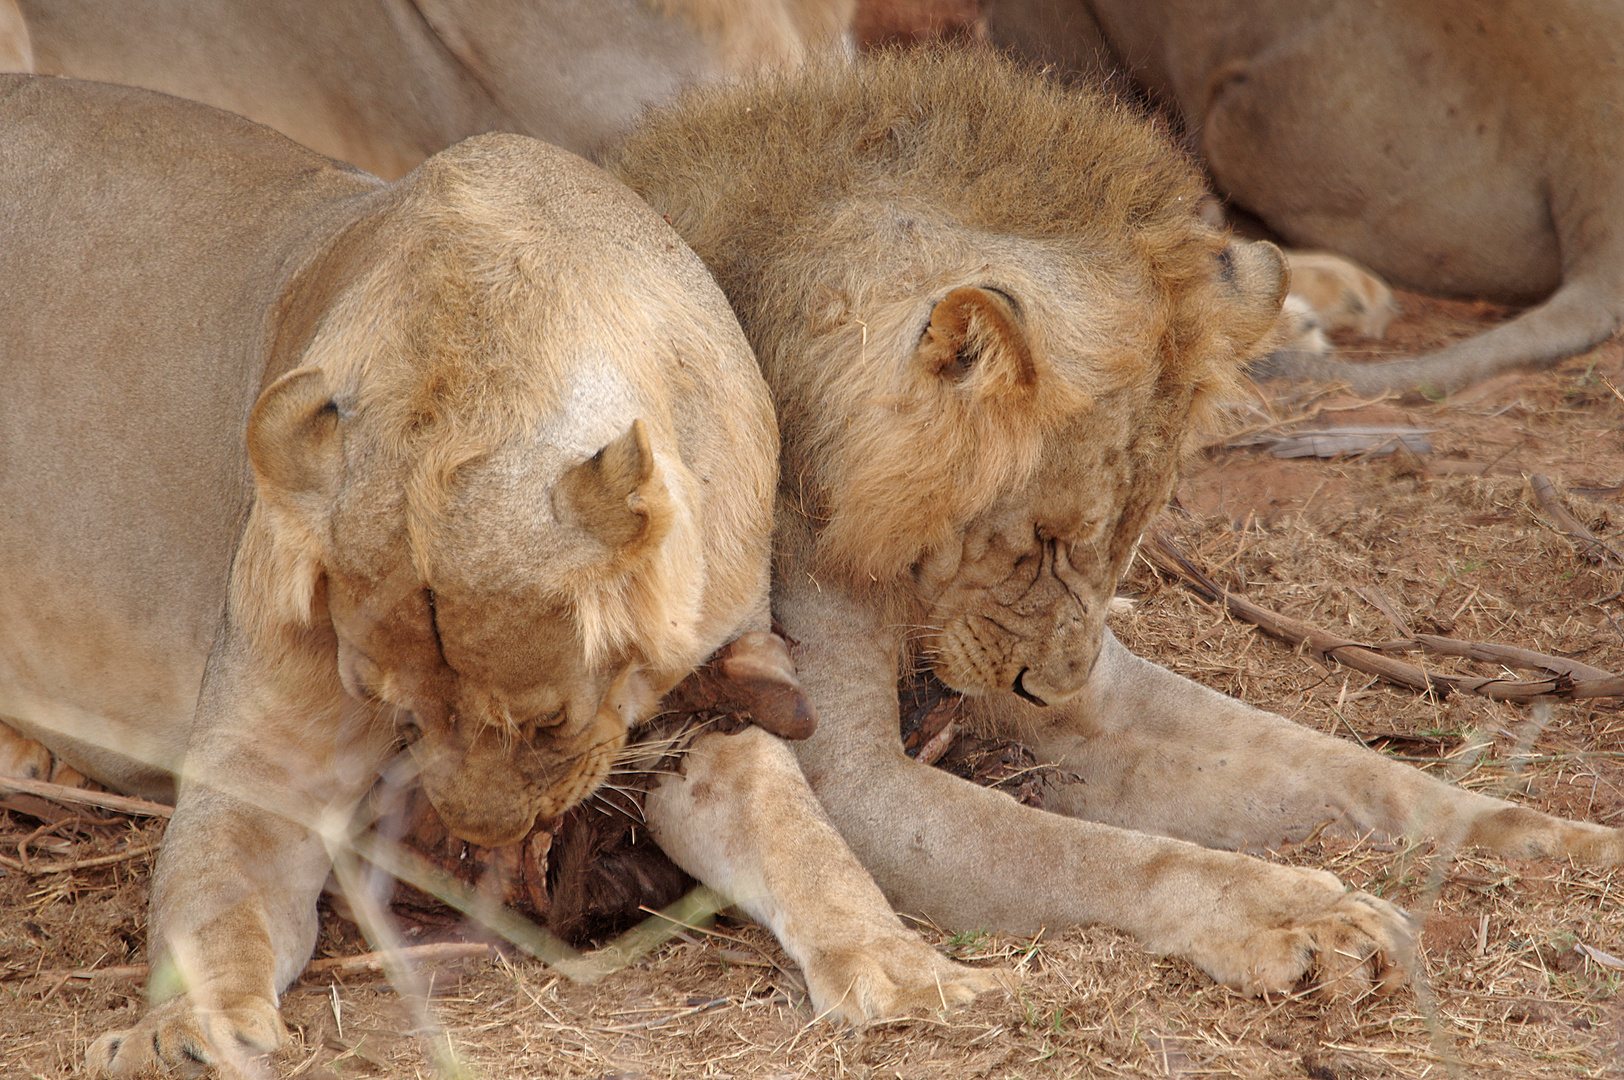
x=385, y=83
x=1451, y=146
x=294, y=461
x=988, y=312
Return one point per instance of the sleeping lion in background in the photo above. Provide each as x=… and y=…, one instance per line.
x=1453, y=147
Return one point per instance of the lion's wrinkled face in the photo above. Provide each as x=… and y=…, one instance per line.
x=471, y=618
x=522, y=607
x=1018, y=600
x=514, y=723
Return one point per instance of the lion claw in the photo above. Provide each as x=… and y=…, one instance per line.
x=1361, y=945
x=176, y=1035
x=874, y=981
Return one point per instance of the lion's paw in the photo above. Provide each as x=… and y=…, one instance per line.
x=1360, y=945
x=1601, y=848
x=22, y=757
x=174, y=1034
x=892, y=977
x=1525, y=833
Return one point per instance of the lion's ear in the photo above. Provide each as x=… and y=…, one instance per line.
x=617, y=494
x=1255, y=276
x=293, y=434
x=975, y=339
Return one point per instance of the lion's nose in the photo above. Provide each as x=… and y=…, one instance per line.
x=1021, y=690
x=1055, y=679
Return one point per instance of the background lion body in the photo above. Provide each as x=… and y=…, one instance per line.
x=385, y=84
x=1452, y=147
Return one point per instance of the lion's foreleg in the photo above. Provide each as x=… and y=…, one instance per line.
x=279, y=757
x=742, y=819
x=970, y=857
x=974, y=858
x=1147, y=749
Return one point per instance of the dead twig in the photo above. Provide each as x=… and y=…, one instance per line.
x=38, y=869
x=343, y=965
x=73, y=796
x=1165, y=555
x=1510, y=656
x=1586, y=543
x=131, y=971
x=416, y=954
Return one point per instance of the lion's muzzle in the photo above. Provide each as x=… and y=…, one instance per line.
x=1061, y=678
x=477, y=789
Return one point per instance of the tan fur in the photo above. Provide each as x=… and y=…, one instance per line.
x=384, y=85
x=23, y=757
x=1341, y=293
x=1449, y=146
x=753, y=33
x=16, y=50
x=848, y=451
x=875, y=225
x=303, y=464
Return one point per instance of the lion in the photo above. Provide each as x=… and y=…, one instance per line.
x=384, y=85
x=1450, y=147
x=299, y=464
x=989, y=314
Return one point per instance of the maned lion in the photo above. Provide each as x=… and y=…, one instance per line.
x=291, y=458
x=385, y=83
x=1451, y=146
x=988, y=311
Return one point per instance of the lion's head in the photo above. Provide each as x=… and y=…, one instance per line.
x=988, y=309
x=524, y=471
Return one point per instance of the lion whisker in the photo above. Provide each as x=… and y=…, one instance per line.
x=635, y=813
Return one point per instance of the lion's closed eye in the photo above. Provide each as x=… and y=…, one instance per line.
x=548, y=722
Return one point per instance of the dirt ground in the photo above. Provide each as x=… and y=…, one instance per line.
x=1521, y=975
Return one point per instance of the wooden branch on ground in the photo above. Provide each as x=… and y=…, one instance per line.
x=61, y=793
x=1589, y=546
x=1508, y=655
x=412, y=954
x=1164, y=554
x=37, y=869
x=344, y=965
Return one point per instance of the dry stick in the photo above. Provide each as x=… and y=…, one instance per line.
x=370, y=961
x=1162, y=552
x=1165, y=554
x=132, y=971
x=414, y=954
x=37, y=869
x=1587, y=543
x=61, y=793
x=1511, y=656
